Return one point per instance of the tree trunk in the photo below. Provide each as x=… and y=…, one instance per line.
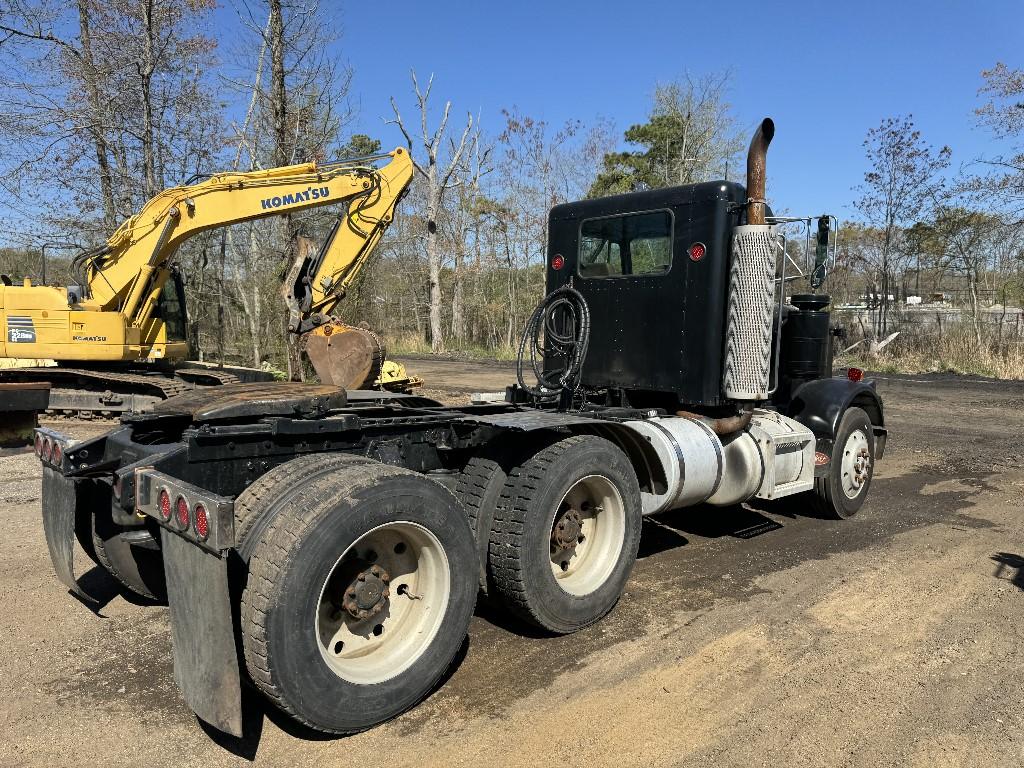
x=146, y=69
x=278, y=93
x=434, y=260
x=282, y=156
x=458, y=298
x=89, y=75
x=972, y=279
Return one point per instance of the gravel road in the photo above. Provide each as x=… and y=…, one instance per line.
x=746, y=637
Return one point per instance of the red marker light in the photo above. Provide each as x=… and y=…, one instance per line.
x=165, y=505
x=181, y=510
x=697, y=251
x=57, y=456
x=202, y=522
x=854, y=374
x=557, y=262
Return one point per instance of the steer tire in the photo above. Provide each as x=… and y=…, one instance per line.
x=829, y=499
x=521, y=549
x=311, y=531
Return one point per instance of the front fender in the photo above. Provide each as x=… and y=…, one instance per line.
x=819, y=405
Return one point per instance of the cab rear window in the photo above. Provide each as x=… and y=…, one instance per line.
x=621, y=246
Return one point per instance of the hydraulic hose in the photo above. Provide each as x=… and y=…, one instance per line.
x=558, y=329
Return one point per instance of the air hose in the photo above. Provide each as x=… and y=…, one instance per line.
x=557, y=331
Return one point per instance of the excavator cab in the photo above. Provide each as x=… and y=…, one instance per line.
x=170, y=308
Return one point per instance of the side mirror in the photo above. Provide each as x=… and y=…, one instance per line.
x=821, y=252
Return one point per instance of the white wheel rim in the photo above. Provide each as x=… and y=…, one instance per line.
x=583, y=567
x=389, y=640
x=856, y=464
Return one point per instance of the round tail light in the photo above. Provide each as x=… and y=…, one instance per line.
x=181, y=512
x=854, y=374
x=57, y=454
x=47, y=449
x=202, y=522
x=165, y=505
x=697, y=251
x=39, y=445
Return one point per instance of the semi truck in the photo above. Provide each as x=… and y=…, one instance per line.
x=327, y=546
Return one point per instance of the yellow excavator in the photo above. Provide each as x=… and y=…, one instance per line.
x=115, y=341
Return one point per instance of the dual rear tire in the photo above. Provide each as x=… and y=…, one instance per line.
x=362, y=577
x=361, y=585
x=565, y=533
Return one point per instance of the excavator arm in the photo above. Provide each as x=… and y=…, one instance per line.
x=317, y=282
x=128, y=273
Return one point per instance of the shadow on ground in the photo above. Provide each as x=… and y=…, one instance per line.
x=1010, y=563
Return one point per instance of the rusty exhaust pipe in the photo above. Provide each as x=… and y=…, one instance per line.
x=756, y=171
x=725, y=425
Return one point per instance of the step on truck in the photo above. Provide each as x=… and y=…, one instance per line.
x=328, y=547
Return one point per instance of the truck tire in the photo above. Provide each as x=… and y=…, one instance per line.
x=359, y=595
x=842, y=492
x=478, y=486
x=565, y=533
x=130, y=555
x=271, y=489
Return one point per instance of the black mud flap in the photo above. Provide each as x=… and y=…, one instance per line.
x=205, y=658
x=59, y=503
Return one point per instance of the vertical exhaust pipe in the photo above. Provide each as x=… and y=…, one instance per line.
x=756, y=175
x=748, y=341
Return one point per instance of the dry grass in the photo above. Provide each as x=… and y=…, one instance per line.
x=955, y=351
x=415, y=344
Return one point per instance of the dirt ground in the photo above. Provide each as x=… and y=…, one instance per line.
x=746, y=637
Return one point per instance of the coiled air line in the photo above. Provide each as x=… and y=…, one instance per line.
x=558, y=328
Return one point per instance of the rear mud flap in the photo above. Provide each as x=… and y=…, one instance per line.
x=205, y=657
x=59, y=503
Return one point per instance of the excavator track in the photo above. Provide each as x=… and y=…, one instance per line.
x=105, y=394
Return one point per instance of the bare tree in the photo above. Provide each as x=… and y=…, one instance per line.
x=439, y=175
x=126, y=104
x=904, y=177
x=1003, y=113
x=297, y=111
x=466, y=224
x=690, y=136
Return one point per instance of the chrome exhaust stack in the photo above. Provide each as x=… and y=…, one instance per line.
x=748, y=342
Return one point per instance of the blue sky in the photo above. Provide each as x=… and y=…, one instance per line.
x=826, y=72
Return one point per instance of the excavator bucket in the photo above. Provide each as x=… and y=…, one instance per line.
x=345, y=356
